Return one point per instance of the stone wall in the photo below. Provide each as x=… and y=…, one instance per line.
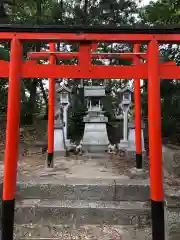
x=171, y=159
x=171, y=164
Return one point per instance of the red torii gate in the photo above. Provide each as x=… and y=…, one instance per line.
x=134, y=57
x=151, y=70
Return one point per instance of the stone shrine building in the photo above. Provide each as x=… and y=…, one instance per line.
x=95, y=137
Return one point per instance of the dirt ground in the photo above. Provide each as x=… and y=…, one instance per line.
x=73, y=166
x=77, y=166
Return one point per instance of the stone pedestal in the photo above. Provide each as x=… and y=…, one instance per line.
x=171, y=159
x=125, y=105
x=58, y=139
x=65, y=119
x=62, y=104
x=132, y=139
x=123, y=144
x=95, y=137
x=68, y=142
x=125, y=126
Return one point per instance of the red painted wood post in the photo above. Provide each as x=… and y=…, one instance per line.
x=155, y=142
x=50, y=158
x=12, y=140
x=137, y=100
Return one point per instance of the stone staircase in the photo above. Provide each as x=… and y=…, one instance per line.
x=77, y=208
x=86, y=199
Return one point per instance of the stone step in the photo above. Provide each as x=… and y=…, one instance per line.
x=85, y=232
x=172, y=215
x=81, y=212
x=96, y=155
x=85, y=189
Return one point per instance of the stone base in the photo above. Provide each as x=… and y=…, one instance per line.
x=131, y=153
x=91, y=148
x=171, y=159
x=95, y=137
x=135, y=173
x=39, y=231
x=172, y=220
x=95, y=155
x=132, y=139
x=123, y=144
x=58, y=140
x=90, y=189
x=60, y=153
x=68, y=143
x=82, y=212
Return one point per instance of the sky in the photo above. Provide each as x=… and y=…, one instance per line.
x=145, y=2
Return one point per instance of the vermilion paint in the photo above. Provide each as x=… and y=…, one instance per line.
x=154, y=122
x=155, y=142
x=30, y=69
x=51, y=111
x=13, y=116
x=12, y=141
x=153, y=71
x=64, y=55
x=137, y=101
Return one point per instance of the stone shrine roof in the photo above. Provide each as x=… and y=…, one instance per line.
x=94, y=91
x=63, y=88
x=126, y=89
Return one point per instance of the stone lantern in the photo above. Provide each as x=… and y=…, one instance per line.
x=64, y=100
x=61, y=109
x=125, y=105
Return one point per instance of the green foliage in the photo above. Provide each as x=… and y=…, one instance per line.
x=3, y=95
x=89, y=12
x=166, y=12
x=93, y=12
x=75, y=122
x=4, y=54
x=162, y=12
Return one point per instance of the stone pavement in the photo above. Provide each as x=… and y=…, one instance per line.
x=81, y=183
x=81, y=198
x=82, y=232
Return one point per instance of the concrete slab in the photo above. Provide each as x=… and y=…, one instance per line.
x=85, y=189
x=172, y=210
x=76, y=184
x=73, y=179
x=82, y=212
x=85, y=232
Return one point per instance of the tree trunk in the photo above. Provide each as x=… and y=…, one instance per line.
x=32, y=100
x=33, y=91
x=38, y=11
x=44, y=97
x=85, y=20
